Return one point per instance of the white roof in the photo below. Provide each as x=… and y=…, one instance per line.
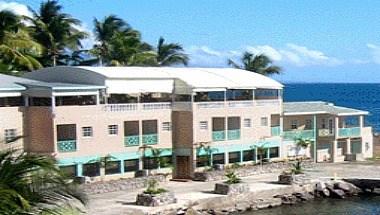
x=157, y=79
x=195, y=77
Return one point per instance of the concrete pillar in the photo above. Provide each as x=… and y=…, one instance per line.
x=26, y=101
x=334, y=150
x=315, y=138
x=361, y=121
x=226, y=157
x=241, y=156
x=256, y=155
x=348, y=146
x=336, y=127
x=268, y=153
x=122, y=166
x=79, y=169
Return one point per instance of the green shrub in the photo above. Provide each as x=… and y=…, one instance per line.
x=297, y=167
x=232, y=178
x=153, y=188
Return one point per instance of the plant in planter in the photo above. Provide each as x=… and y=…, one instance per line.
x=155, y=196
x=289, y=176
x=233, y=185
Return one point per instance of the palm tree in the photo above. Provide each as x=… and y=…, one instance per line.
x=170, y=54
x=302, y=143
x=58, y=32
x=33, y=184
x=18, y=51
x=205, y=146
x=261, y=64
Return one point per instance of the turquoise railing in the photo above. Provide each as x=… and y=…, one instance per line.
x=150, y=139
x=218, y=135
x=304, y=134
x=67, y=145
x=349, y=132
x=275, y=131
x=233, y=134
x=133, y=140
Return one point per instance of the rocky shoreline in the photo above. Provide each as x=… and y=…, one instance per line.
x=300, y=192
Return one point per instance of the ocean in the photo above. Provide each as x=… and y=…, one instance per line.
x=360, y=96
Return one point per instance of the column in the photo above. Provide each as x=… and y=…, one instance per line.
x=336, y=127
x=315, y=138
x=268, y=153
x=361, y=121
x=334, y=151
x=226, y=157
x=348, y=146
x=26, y=101
x=241, y=156
x=79, y=169
x=122, y=167
x=281, y=125
x=256, y=155
x=52, y=104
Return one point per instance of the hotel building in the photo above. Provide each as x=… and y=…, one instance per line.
x=188, y=116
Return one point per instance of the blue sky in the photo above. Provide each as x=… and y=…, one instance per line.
x=313, y=40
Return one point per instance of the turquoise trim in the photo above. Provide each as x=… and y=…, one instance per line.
x=87, y=159
x=218, y=136
x=305, y=134
x=165, y=152
x=67, y=145
x=275, y=131
x=233, y=134
x=349, y=132
x=133, y=140
x=150, y=139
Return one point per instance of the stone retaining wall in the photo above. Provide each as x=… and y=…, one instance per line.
x=119, y=185
x=249, y=170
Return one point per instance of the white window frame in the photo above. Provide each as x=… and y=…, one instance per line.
x=10, y=134
x=264, y=121
x=87, y=133
x=166, y=126
x=247, y=123
x=203, y=125
x=113, y=130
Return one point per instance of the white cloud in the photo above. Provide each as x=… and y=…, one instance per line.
x=375, y=52
x=17, y=8
x=290, y=54
x=90, y=40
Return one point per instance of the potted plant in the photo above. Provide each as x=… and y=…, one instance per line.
x=233, y=185
x=154, y=196
x=292, y=175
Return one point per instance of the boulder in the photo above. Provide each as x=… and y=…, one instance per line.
x=325, y=192
x=154, y=200
x=230, y=189
x=336, y=193
x=320, y=186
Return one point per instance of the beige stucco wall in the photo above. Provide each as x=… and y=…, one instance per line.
x=101, y=143
x=367, y=137
x=11, y=118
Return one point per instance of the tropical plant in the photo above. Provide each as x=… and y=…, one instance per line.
x=261, y=150
x=57, y=31
x=260, y=64
x=33, y=184
x=170, y=54
x=205, y=146
x=297, y=167
x=18, y=51
x=159, y=159
x=302, y=143
x=232, y=178
x=153, y=188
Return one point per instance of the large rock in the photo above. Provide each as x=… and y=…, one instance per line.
x=320, y=186
x=348, y=188
x=231, y=189
x=337, y=193
x=154, y=200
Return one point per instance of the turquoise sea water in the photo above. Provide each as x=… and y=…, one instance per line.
x=360, y=96
x=365, y=205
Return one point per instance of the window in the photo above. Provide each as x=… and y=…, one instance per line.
x=203, y=125
x=131, y=165
x=233, y=157
x=218, y=159
x=69, y=171
x=323, y=126
x=87, y=131
x=150, y=163
x=264, y=121
x=294, y=124
x=113, y=130
x=247, y=123
x=10, y=135
x=91, y=169
x=249, y=155
x=166, y=126
x=274, y=152
x=202, y=160
x=331, y=129
x=112, y=167
x=308, y=124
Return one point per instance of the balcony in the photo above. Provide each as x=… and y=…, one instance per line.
x=233, y=134
x=150, y=139
x=218, y=136
x=349, y=132
x=137, y=107
x=133, y=140
x=275, y=131
x=304, y=134
x=67, y=145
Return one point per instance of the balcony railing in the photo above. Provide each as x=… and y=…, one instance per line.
x=233, y=134
x=349, y=132
x=133, y=140
x=150, y=139
x=275, y=131
x=67, y=145
x=269, y=102
x=304, y=134
x=325, y=132
x=137, y=107
x=218, y=136
x=203, y=105
x=237, y=104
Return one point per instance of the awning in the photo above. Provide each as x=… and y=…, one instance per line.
x=139, y=86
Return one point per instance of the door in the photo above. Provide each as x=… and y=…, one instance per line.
x=183, y=167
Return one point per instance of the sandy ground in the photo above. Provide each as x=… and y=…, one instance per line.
x=122, y=202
